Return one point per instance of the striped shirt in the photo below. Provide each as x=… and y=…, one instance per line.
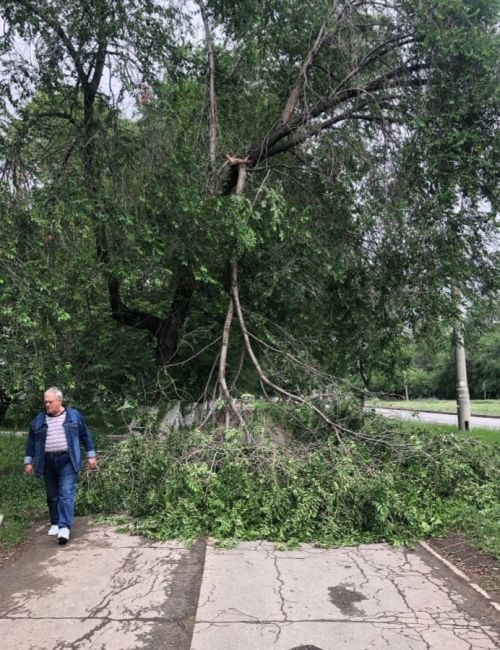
x=56, y=436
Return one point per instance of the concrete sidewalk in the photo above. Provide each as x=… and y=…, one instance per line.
x=373, y=596
x=111, y=591
x=104, y=590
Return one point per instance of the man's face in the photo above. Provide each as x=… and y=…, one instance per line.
x=53, y=404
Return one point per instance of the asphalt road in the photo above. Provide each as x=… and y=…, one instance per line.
x=440, y=418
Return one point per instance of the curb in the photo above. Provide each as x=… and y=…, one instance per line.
x=461, y=575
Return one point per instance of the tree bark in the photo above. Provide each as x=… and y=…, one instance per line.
x=212, y=113
x=169, y=332
x=224, y=348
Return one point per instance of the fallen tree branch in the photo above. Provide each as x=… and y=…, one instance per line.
x=263, y=378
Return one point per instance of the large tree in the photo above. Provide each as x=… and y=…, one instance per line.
x=332, y=163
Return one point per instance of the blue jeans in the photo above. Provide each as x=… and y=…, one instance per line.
x=60, y=484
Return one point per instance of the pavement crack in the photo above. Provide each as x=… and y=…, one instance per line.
x=66, y=645
x=393, y=580
x=353, y=556
x=119, y=584
x=209, y=598
x=281, y=585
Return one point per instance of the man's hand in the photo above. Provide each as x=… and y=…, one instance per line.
x=91, y=463
x=28, y=469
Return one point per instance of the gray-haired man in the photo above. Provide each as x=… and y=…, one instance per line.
x=53, y=451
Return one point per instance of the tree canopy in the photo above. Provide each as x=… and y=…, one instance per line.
x=193, y=194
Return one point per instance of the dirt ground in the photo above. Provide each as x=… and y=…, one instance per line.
x=8, y=555
x=482, y=568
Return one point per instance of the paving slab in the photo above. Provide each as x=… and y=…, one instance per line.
x=103, y=590
x=110, y=591
x=255, y=597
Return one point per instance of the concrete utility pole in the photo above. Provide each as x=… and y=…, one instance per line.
x=463, y=401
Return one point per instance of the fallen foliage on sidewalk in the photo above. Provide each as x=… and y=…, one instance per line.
x=271, y=482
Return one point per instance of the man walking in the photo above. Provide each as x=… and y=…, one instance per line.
x=53, y=451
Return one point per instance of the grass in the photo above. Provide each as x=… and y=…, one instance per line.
x=484, y=532
x=490, y=436
x=491, y=583
x=11, y=450
x=22, y=499
x=478, y=407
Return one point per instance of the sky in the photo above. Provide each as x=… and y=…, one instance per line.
x=110, y=85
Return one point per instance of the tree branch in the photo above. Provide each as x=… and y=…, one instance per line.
x=212, y=114
x=267, y=147
x=223, y=351
x=59, y=114
x=299, y=86
x=127, y=316
x=374, y=55
x=99, y=61
x=55, y=25
x=263, y=378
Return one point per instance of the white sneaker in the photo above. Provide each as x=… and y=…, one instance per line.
x=53, y=530
x=63, y=535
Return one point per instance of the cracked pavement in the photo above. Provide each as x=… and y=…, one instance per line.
x=104, y=590
x=254, y=597
x=107, y=591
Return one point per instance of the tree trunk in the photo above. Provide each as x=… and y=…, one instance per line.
x=170, y=328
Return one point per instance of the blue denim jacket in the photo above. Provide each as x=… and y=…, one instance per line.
x=76, y=433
